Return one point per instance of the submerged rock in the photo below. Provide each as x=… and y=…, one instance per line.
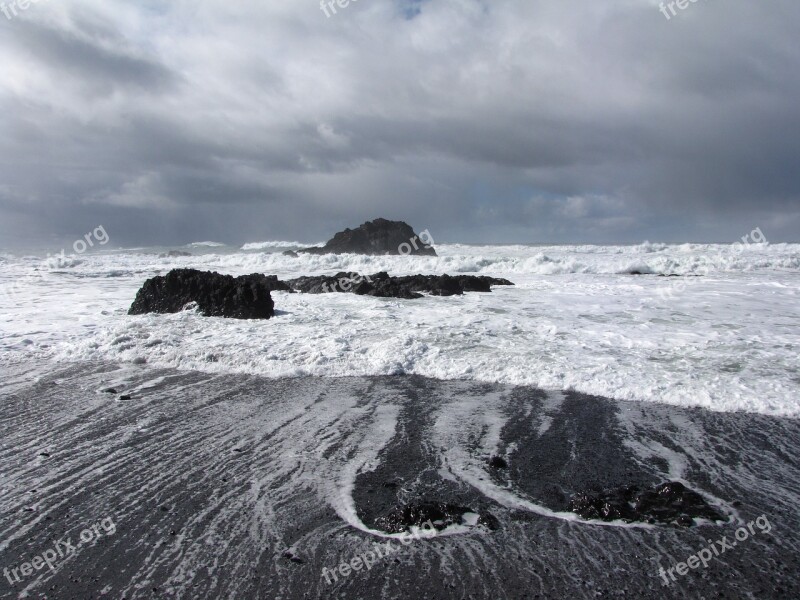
x=440, y=514
x=376, y=238
x=245, y=297
x=175, y=254
x=670, y=502
x=384, y=286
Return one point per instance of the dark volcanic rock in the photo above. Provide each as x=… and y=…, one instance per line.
x=447, y=285
x=440, y=514
x=384, y=286
x=245, y=297
x=380, y=285
x=498, y=462
x=670, y=502
x=274, y=284
x=378, y=237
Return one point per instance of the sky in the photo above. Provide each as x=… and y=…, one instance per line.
x=503, y=121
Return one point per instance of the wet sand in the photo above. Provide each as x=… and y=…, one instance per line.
x=194, y=485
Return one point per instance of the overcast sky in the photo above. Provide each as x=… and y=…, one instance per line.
x=487, y=121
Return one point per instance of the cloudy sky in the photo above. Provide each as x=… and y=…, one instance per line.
x=489, y=121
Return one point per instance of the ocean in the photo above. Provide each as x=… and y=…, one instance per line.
x=704, y=325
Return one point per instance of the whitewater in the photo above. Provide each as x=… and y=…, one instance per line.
x=705, y=325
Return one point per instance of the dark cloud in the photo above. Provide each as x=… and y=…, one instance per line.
x=100, y=61
x=504, y=121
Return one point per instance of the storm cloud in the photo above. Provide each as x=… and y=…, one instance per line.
x=503, y=121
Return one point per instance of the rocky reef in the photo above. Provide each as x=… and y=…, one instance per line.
x=384, y=286
x=248, y=296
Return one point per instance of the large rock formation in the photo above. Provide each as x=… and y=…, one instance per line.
x=378, y=237
x=245, y=297
x=384, y=286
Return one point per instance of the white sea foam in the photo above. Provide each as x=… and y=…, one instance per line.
x=270, y=245
x=206, y=244
x=725, y=337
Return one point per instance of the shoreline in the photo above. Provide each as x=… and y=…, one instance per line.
x=240, y=486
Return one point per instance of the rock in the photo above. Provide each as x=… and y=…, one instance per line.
x=376, y=238
x=125, y=397
x=440, y=514
x=291, y=253
x=245, y=297
x=110, y=391
x=293, y=557
x=449, y=285
x=276, y=285
x=380, y=285
x=383, y=286
x=498, y=462
x=670, y=502
x=174, y=254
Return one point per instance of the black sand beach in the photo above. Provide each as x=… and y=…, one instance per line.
x=200, y=486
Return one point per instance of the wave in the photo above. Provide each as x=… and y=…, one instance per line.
x=274, y=244
x=206, y=244
x=511, y=261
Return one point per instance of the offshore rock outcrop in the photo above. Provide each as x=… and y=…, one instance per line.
x=245, y=297
x=377, y=238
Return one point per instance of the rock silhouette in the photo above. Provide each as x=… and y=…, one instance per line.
x=376, y=238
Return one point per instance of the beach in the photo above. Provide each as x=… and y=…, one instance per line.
x=234, y=486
